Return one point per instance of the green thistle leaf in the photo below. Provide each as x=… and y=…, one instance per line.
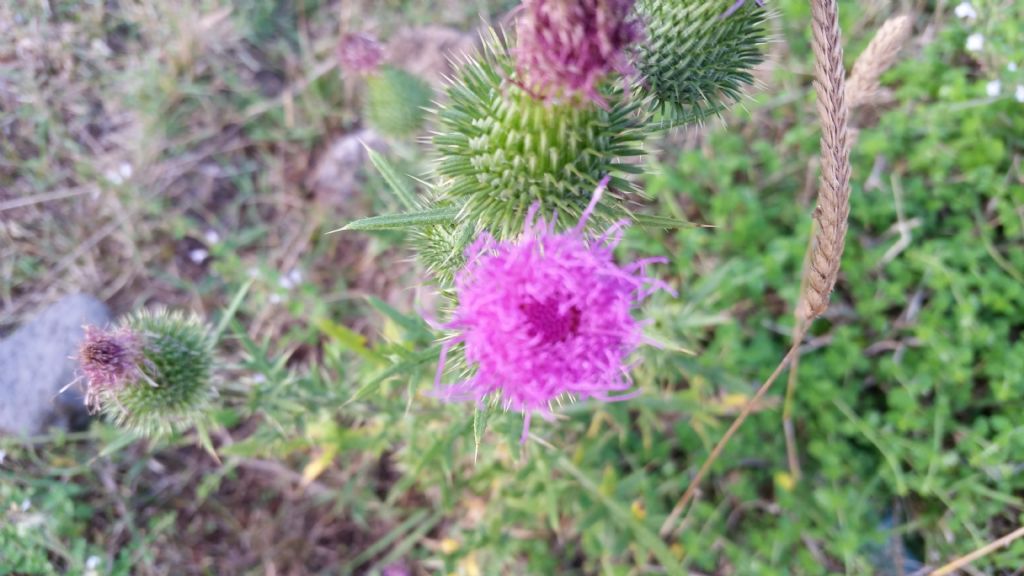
x=400, y=186
x=428, y=217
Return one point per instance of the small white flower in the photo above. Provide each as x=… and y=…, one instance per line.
x=198, y=256
x=3, y=456
x=291, y=280
x=125, y=170
x=975, y=42
x=25, y=505
x=993, y=88
x=965, y=11
x=113, y=177
x=275, y=298
x=1018, y=94
x=92, y=564
x=211, y=236
x=253, y=272
x=1012, y=66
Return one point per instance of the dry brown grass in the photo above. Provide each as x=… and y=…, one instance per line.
x=831, y=214
x=881, y=53
x=833, y=210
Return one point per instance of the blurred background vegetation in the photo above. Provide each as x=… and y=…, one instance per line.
x=177, y=152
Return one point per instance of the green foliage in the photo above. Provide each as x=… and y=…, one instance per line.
x=695, y=61
x=500, y=149
x=177, y=387
x=396, y=101
x=915, y=398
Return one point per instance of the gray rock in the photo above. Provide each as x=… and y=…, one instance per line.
x=36, y=362
x=340, y=172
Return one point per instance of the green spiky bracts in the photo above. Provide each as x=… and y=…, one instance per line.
x=500, y=149
x=698, y=56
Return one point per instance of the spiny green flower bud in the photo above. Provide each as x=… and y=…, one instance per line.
x=396, y=101
x=441, y=249
x=698, y=55
x=152, y=373
x=501, y=149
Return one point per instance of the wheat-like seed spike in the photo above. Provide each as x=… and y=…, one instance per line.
x=878, y=57
x=834, y=196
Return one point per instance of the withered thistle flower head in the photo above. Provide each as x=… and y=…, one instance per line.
x=359, y=53
x=566, y=47
x=109, y=359
x=151, y=374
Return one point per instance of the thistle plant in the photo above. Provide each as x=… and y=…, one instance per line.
x=152, y=373
x=698, y=55
x=531, y=125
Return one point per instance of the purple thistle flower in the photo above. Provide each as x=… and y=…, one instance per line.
x=565, y=47
x=109, y=360
x=548, y=315
x=359, y=53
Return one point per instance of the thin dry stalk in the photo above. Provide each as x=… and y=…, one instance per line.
x=985, y=550
x=831, y=214
x=691, y=490
x=878, y=57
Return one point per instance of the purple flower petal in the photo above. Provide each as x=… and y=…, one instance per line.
x=547, y=315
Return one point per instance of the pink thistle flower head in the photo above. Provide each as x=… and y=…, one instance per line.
x=359, y=53
x=109, y=360
x=566, y=47
x=547, y=315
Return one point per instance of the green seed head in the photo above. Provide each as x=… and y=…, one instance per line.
x=396, y=101
x=697, y=60
x=172, y=387
x=500, y=149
